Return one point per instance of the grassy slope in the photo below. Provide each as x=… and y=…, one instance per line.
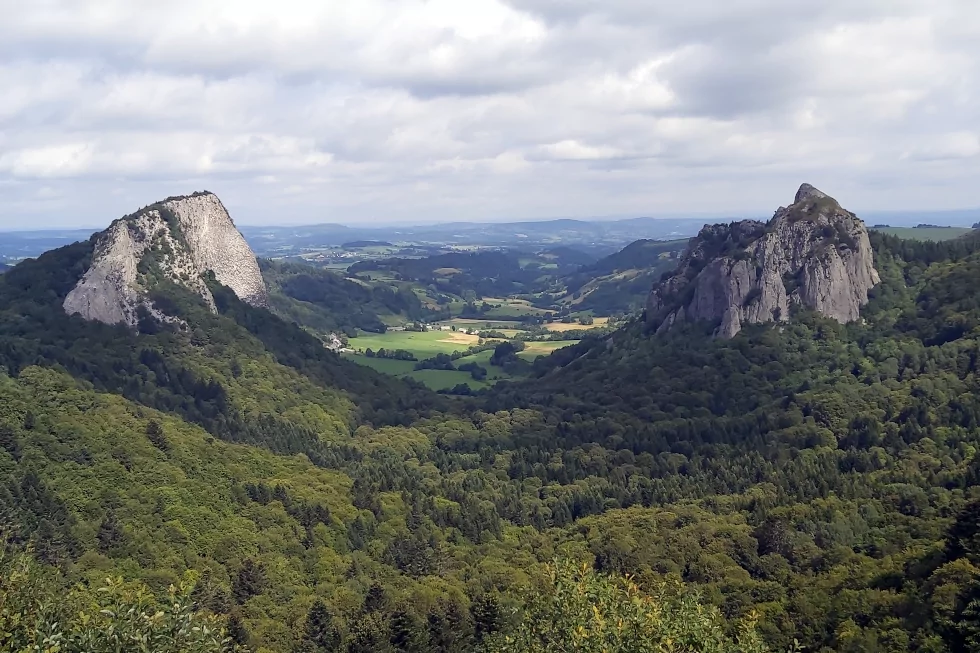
x=911, y=233
x=535, y=349
x=422, y=344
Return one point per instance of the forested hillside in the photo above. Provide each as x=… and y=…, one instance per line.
x=620, y=283
x=837, y=463
x=482, y=274
x=813, y=480
x=327, y=302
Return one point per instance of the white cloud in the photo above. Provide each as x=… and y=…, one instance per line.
x=440, y=110
x=954, y=145
x=573, y=150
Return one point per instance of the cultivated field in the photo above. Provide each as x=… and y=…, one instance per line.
x=926, y=233
x=558, y=326
x=510, y=328
x=428, y=344
x=423, y=345
x=535, y=349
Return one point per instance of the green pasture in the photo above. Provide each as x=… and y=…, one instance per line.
x=428, y=344
x=926, y=233
x=423, y=344
x=535, y=349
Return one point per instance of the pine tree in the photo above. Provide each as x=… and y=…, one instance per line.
x=110, y=533
x=487, y=616
x=375, y=598
x=249, y=582
x=154, y=433
x=237, y=631
x=320, y=635
x=8, y=441
x=407, y=634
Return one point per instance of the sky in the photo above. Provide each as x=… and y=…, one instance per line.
x=372, y=112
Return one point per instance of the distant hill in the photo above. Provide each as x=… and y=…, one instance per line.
x=356, y=244
x=485, y=274
x=601, y=236
x=16, y=245
x=569, y=255
x=327, y=302
x=621, y=281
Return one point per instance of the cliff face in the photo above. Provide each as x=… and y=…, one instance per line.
x=812, y=253
x=179, y=240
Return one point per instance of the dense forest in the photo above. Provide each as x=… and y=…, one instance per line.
x=811, y=486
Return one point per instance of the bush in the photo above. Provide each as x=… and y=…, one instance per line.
x=38, y=614
x=576, y=609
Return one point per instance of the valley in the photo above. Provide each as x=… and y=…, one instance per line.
x=777, y=439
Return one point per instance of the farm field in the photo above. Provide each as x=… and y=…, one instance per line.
x=926, y=233
x=509, y=328
x=435, y=379
x=511, y=307
x=428, y=344
x=535, y=349
x=559, y=326
x=482, y=323
x=423, y=344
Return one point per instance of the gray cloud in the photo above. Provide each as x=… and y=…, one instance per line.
x=413, y=110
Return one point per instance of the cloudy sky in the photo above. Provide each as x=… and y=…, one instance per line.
x=384, y=111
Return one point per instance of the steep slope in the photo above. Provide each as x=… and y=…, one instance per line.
x=812, y=253
x=178, y=240
x=327, y=302
x=620, y=282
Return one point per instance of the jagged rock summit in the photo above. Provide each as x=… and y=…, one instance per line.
x=812, y=253
x=179, y=239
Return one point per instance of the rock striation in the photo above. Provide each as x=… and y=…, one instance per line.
x=180, y=240
x=812, y=253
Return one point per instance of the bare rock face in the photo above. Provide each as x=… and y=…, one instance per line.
x=177, y=240
x=812, y=253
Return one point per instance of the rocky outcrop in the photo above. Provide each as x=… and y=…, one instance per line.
x=178, y=240
x=812, y=254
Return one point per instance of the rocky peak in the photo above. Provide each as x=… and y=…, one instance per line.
x=812, y=253
x=808, y=192
x=180, y=240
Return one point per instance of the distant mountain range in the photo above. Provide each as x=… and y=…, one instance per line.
x=606, y=235
x=600, y=236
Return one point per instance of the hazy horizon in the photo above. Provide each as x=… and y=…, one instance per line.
x=946, y=217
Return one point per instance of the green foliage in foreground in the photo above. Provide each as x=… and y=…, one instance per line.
x=39, y=614
x=576, y=609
